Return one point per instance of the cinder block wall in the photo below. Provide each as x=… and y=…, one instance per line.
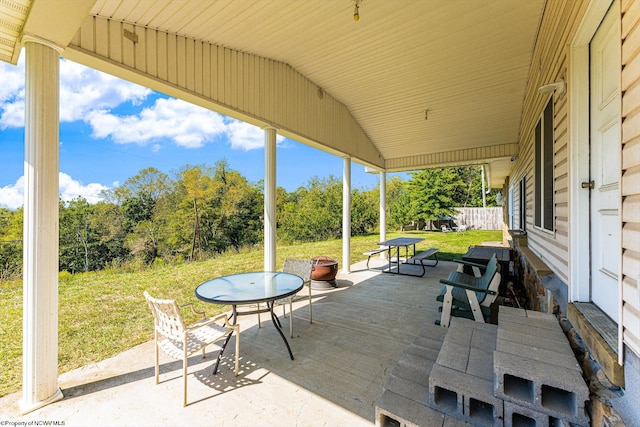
x=538, y=296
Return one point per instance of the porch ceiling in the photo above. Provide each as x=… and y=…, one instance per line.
x=430, y=82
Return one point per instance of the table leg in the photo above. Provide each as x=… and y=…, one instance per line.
x=233, y=319
x=389, y=259
x=276, y=322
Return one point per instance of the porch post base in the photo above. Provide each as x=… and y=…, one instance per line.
x=26, y=407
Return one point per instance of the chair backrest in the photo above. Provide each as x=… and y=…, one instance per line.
x=167, y=317
x=489, y=272
x=488, y=280
x=494, y=286
x=300, y=267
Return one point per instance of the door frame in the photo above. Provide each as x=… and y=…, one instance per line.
x=579, y=149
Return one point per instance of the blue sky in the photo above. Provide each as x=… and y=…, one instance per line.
x=111, y=129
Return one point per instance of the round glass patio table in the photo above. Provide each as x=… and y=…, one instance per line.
x=251, y=288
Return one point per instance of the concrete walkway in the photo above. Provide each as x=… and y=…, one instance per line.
x=360, y=329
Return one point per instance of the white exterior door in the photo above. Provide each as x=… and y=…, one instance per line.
x=605, y=166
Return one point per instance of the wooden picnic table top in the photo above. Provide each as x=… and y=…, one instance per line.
x=401, y=241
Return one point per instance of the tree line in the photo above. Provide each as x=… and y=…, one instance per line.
x=202, y=211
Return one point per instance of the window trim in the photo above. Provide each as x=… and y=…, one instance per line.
x=544, y=191
x=522, y=209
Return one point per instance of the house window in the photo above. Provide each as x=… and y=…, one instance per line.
x=544, y=169
x=523, y=204
x=512, y=220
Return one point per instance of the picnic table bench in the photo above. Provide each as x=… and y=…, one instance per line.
x=421, y=257
x=372, y=252
x=431, y=252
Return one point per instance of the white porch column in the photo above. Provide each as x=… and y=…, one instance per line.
x=346, y=215
x=40, y=275
x=269, y=199
x=383, y=209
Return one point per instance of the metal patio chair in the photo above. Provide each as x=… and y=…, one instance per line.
x=302, y=268
x=176, y=339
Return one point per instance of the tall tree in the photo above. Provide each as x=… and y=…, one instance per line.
x=398, y=203
x=434, y=193
x=149, y=182
x=313, y=213
x=11, y=229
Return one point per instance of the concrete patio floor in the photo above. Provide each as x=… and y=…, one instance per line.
x=360, y=329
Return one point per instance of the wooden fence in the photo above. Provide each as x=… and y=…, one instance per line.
x=480, y=218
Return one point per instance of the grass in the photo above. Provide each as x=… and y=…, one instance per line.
x=104, y=313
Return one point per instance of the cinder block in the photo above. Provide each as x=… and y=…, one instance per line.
x=464, y=337
x=413, y=372
x=433, y=332
x=533, y=329
x=519, y=416
x=521, y=337
x=445, y=394
x=539, y=315
x=513, y=311
x=539, y=354
x=480, y=364
x=484, y=340
x=454, y=355
x=545, y=321
x=413, y=390
x=471, y=324
x=540, y=386
x=395, y=410
x=455, y=422
x=423, y=352
x=463, y=331
x=426, y=342
x=464, y=396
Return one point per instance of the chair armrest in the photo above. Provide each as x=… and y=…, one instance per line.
x=468, y=287
x=193, y=310
x=470, y=264
x=223, y=316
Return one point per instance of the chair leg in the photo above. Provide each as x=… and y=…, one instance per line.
x=475, y=306
x=310, y=312
x=446, y=307
x=237, y=350
x=184, y=377
x=155, y=340
x=290, y=317
x=259, y=323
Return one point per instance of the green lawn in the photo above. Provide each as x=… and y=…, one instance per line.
x=103, y=313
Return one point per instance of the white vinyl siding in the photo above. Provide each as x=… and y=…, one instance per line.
x=630, y=185
x=551, y=64
x=247, y=87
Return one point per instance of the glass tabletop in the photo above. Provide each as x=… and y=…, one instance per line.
x=244, y=288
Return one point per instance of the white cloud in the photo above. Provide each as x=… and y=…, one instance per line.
x=12, y=196
x=12, y=114
x=187, y=125
x=245, y=136
x=72, y=189
x=82, y=90
x=91, y=96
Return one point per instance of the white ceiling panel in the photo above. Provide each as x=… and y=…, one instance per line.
x=465, y=61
